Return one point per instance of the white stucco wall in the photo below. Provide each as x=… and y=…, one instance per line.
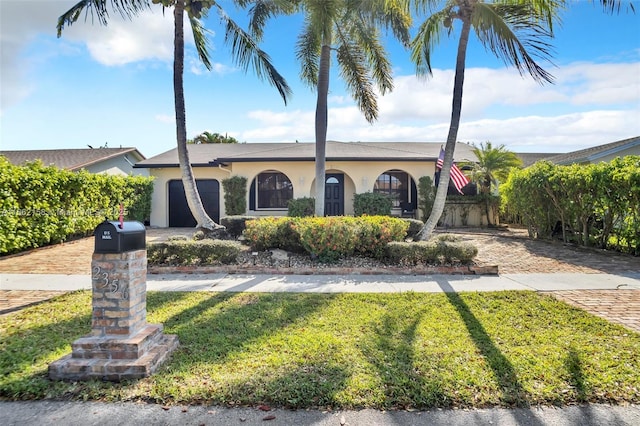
x=359, y=177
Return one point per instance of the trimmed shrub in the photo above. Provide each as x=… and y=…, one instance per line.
x=432, y=252
x=235, y=195
x=457, y=251
x=374, y=232
x=235, y=224
x=415, y=226
x=262, y=233
x=372, y=204
x=419, y=253
x=203, y=252
x=301, y=207
x=288, y=237
x=328, y=238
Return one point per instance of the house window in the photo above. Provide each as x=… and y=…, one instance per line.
x=395, y=184
x=274, y=190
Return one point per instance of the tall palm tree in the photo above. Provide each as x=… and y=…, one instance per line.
x=515, y=31
x=351, y=29
x=245, y=52
x=512, y=32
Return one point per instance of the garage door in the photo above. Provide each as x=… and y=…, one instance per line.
x=179, y=214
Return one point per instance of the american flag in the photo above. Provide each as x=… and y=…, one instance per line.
x=458, y=178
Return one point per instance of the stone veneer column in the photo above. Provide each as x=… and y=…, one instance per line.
x=122, y=345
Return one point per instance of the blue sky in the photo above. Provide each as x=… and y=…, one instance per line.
x=113, y=85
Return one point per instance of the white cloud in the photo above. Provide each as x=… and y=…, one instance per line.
x=20, y=23
x=498, y=105
x=148, y=36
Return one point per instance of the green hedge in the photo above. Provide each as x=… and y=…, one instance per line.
x=235, y=195
x=301, y=207
x=235, y=224
x=327, y=238
x=372, y=204
x=440, y=249
x=202, y=252
x=594, y=204
x=42, y=205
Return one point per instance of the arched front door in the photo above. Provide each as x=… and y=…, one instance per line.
x=334, y=194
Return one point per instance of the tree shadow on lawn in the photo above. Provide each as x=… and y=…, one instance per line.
x=222, y=327
x=32, y=348
x=393, y=355
x=513, y=393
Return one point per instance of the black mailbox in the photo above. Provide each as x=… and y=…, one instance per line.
x=111, y=238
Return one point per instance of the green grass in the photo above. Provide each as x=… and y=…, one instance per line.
x=343, y=351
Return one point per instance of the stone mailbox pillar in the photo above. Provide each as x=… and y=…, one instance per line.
x=122, y=345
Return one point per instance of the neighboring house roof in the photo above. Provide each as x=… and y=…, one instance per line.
x=528, y=158
x=202, y=155
x=593, y=154
x=69, y=159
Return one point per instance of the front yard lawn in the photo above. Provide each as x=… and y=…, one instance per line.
x=385, y=351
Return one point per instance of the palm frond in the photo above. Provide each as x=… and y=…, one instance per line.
x=323, y=14
x=308, y=53
x=613, y=6
x=354, y=72
x=246, y=54
x=547, y=11
x=393, y=15
x=368, y=39
x=99, y=9
x=509, y=32
x=427, y=39
x=201, y=40
x=260, y=11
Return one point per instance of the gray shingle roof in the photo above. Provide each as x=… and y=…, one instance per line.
x=69, y=159
x=595, y=152
x=528, y=158
x=208, y=154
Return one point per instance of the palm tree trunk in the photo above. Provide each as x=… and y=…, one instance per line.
x=188, y=179
x=321, y=127
x=456, y=110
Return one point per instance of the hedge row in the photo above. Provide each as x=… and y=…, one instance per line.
x=190, y=252
x=42, y=205
x=441, y=249
x=594, y=204
x=327, y=238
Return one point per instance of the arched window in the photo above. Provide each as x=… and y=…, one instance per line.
x=273, y=190
x=395, y=184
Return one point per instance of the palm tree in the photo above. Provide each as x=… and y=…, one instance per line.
x=351, y=29
x=244, y=48
x=492, y=167
x=510, y=31
x=515, y=31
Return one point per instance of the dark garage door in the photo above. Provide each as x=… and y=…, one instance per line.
x=179, y=214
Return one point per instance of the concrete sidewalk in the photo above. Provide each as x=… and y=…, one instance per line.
x=339, y=283
x=116, y=414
